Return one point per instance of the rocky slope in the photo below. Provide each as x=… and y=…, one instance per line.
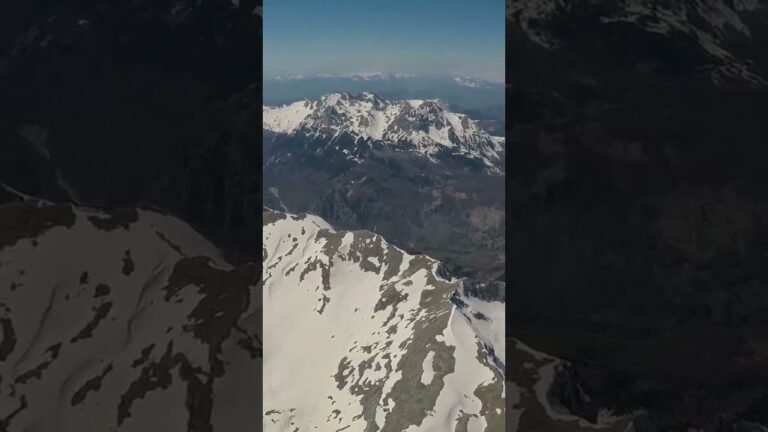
x=426, y=178
x=376, y=337
x=122, y=321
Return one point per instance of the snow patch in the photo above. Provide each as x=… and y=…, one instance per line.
x=428, y=374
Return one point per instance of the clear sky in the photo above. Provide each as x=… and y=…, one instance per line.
x=429, y=37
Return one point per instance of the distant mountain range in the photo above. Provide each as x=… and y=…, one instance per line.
x=482, y=99
x=430, y=180
x=427, y=127
x=366, y=76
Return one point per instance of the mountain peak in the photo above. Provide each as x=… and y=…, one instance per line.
x=334, y=98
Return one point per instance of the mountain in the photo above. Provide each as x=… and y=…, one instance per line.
x=421, y=126
x=470, y=93
x=637, y=201
x=390, y=342
x=378, y=339
x=428, y=179
x=122, y=321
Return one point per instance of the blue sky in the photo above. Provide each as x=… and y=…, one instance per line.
x=430, y=37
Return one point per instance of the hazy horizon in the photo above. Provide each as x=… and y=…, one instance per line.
x=371, y=74
x=337, y=37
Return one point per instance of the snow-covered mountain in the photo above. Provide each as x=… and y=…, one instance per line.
x=377, y=339
x=122, y=321
x=483, y=100
x=130, y=321
x=426, y=127
x=423, y=176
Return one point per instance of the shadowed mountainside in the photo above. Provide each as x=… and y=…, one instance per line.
x=637, y=204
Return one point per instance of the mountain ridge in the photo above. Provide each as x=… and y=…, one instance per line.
x=412, y=342
x=426, y=127
x=470, y=93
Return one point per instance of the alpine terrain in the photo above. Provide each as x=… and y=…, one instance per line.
x=122, y=321
x=362, y=336
x=427, y=178
x=483, y=99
